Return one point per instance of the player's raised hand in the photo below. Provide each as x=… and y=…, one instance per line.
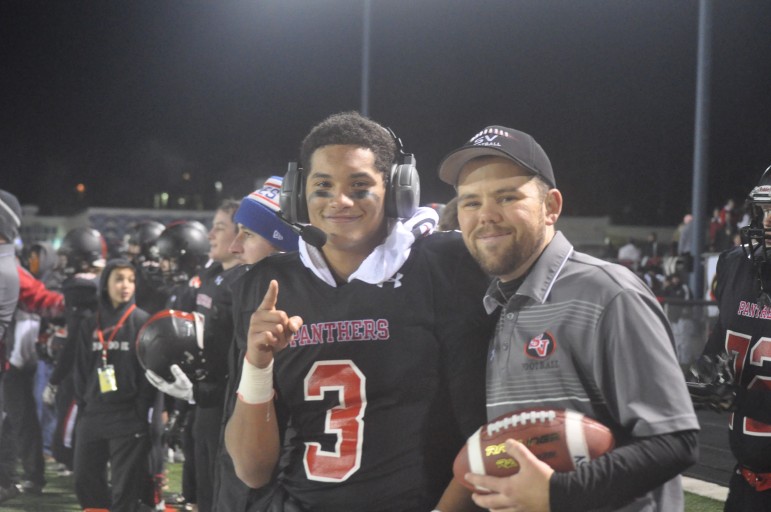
x=270, y=329
x=526, y=491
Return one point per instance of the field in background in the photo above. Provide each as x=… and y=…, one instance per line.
x=58, y=496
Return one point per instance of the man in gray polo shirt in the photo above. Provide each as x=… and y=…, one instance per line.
x=575, y=332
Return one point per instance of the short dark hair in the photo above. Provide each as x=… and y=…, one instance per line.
x=350, y=128
x=230, y=206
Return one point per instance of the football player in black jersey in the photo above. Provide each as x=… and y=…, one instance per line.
x=82, y=256
x=739, y=350
x=205, y=392
x=374, y=343
x=242, y=234
x=183, y=250
x=139, y=247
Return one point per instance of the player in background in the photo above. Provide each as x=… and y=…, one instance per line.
x=372, y=342
x=141, y=249
x=183, y=251
x=242, y=233
x=214, y=302
x=575, y=332
x=82, y=256
x=206, y=391
x=737, y=356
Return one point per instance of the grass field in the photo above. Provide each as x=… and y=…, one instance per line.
x=58, y=496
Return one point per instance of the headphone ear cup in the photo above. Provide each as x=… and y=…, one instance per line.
x=402, y=192
x=292, y=196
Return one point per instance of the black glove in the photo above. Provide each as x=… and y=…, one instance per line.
x=710, y=382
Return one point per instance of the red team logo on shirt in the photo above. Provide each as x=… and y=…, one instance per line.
x=540, y=347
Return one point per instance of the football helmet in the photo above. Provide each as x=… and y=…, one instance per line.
x=756, y=237
x=172, y=337
x=81, y=249
x=185, y=245
x=139, y=242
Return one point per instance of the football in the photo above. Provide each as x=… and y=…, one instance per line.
x=561, y=438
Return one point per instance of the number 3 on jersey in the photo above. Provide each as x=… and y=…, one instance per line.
x=343, y=421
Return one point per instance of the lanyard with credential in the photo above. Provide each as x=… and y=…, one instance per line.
x=106, y=344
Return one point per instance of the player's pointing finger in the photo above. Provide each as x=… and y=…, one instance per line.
x=271, y=297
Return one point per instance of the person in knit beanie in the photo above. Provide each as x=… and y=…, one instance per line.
x=257, y=215
x=260, y=234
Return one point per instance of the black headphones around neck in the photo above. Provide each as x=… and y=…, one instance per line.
x=402, y=189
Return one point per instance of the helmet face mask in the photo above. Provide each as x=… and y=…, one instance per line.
x=139, y=242
x=171, y=270
x=756, y=238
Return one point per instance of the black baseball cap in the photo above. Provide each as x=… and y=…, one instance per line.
x=515, y=145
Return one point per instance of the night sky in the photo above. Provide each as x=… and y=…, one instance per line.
x=128, y=96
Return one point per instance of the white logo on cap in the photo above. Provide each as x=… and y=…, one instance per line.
x=486, y=140
x=277, y=235
x=495, y=131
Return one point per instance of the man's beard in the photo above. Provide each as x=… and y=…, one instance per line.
x=508, y=259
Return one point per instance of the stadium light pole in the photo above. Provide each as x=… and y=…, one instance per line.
x=366, y=23
x=701, y=145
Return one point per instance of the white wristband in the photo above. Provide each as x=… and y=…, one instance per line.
x=256, y=386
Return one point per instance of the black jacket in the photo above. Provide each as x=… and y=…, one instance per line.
x=124, y=410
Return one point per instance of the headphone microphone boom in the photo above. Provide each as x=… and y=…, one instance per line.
x=310, y=234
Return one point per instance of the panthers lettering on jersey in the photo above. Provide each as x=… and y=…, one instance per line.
x=335, y=332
